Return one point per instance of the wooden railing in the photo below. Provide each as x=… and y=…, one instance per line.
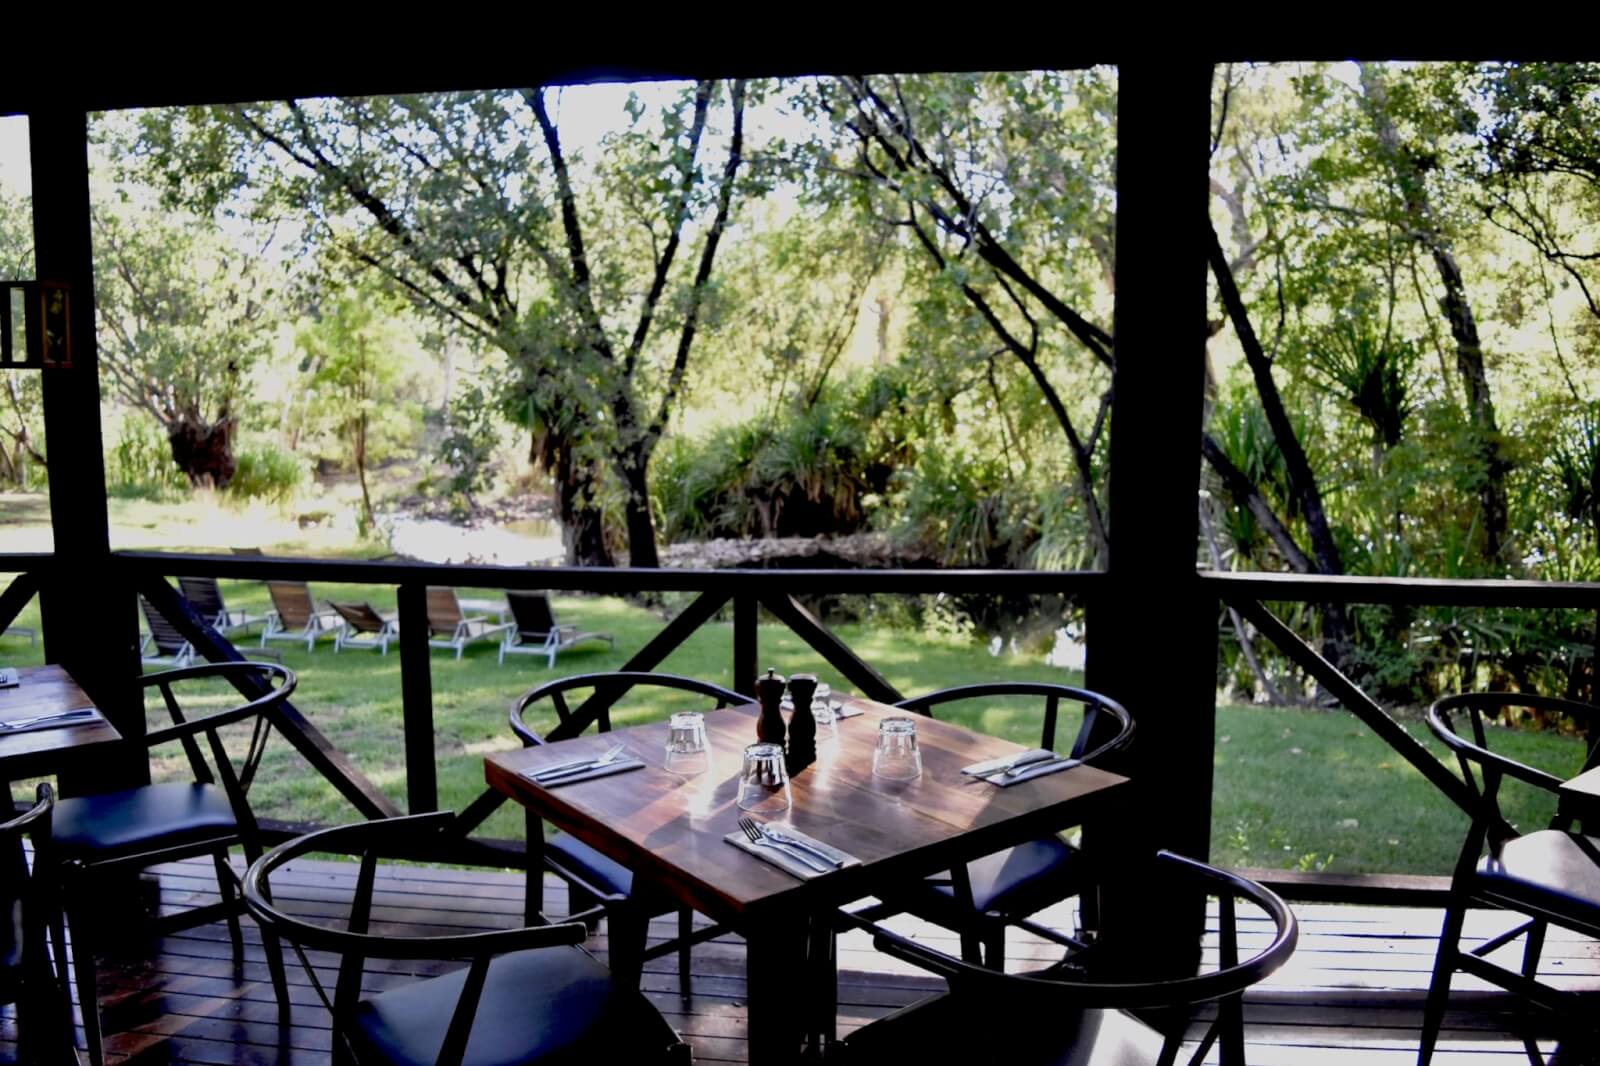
x=746, y=591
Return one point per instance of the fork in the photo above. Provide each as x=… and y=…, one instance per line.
x=758, y=835
x=582, y=766
x=796, y=842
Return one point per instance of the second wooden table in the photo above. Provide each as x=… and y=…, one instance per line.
x=669, y=830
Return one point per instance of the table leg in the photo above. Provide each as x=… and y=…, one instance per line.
x=533, y=883
x=778, y=994
x=823, y=962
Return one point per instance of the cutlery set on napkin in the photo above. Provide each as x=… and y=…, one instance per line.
x=56, y=720
x=612, y=762
x=840, y=710
x=1025, y=766
x=789, y=849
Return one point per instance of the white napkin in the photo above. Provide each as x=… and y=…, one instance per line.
x=786, y=862
x=620, y=766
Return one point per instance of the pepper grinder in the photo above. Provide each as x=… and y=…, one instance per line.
x=769, y=692
x=802, y=727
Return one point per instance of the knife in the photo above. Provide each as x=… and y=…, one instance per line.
x=1026, y=758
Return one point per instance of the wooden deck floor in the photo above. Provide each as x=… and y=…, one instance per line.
x=1352, y=993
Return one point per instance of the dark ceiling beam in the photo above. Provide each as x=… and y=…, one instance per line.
x=115, y=70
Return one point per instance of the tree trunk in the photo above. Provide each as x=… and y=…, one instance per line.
x=641, y=526
x=361, y=466
x=1302, y=479
x=204, y=452
x=1422, y=228
x=583, y=527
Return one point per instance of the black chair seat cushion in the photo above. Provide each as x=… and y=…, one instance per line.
x=1017, y=881
x=1555, y=870
x=549, y=1005
x=947, y=1028
x=603, y=873
x=138, y=819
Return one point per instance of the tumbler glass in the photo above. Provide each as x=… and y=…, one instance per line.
x=764, y=781
x=822, y=714
x=687, y=751
x=896, y=756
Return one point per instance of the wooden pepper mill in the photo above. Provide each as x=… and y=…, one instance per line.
x=802, y=727
x=769, y=693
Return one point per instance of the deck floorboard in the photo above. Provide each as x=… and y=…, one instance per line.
x=1351, y=994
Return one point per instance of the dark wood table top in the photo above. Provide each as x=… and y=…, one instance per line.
x=38, y=752
x=671, y=828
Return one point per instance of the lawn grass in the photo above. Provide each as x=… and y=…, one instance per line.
x=1294, y=788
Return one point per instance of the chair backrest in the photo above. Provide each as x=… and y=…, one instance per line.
x=1106, y=726
x=18, y=886
x=1484, y=769
x=418, y=837
x=359, y=616
x=444, y=610
x=292, y=600
x=167, y=638
x=607, y=689
x=204, y=595
x=253, y=679
x=1043, y=994
x=532, y=612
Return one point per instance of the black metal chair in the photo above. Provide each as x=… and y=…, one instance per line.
x=1005, y=888
x=30, y=906
x=131, y=829
x=596, y=885
x=526, y=996
x=1055, y=1017
x=1552, y=875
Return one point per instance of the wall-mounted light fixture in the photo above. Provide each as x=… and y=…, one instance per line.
x=35, y=325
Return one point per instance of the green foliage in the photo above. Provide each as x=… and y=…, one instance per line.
x=822, y=468
x=468, y=444
x=267, y=472
x=140, y=463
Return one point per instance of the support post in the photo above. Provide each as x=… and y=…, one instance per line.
x=102, y=658
x=416, y=695
x=1153, y=642
x=745, y=652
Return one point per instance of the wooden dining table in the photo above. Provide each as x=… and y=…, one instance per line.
x=40, y=752
x=669, y=831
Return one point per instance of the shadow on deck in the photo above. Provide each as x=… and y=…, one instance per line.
x=1351, y=994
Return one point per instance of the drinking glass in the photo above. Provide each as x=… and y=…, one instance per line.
x=824, y=693
x=687, y=751
x=896, y=756
x=822, y=714
x=764, y=781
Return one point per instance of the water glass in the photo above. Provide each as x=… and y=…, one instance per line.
x=687, y=751
x=822, y=714
x=764, y=781
x=896, y=756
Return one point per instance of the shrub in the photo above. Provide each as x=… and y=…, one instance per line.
x=267, y=472
x=817, y=469
x=140, y=464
